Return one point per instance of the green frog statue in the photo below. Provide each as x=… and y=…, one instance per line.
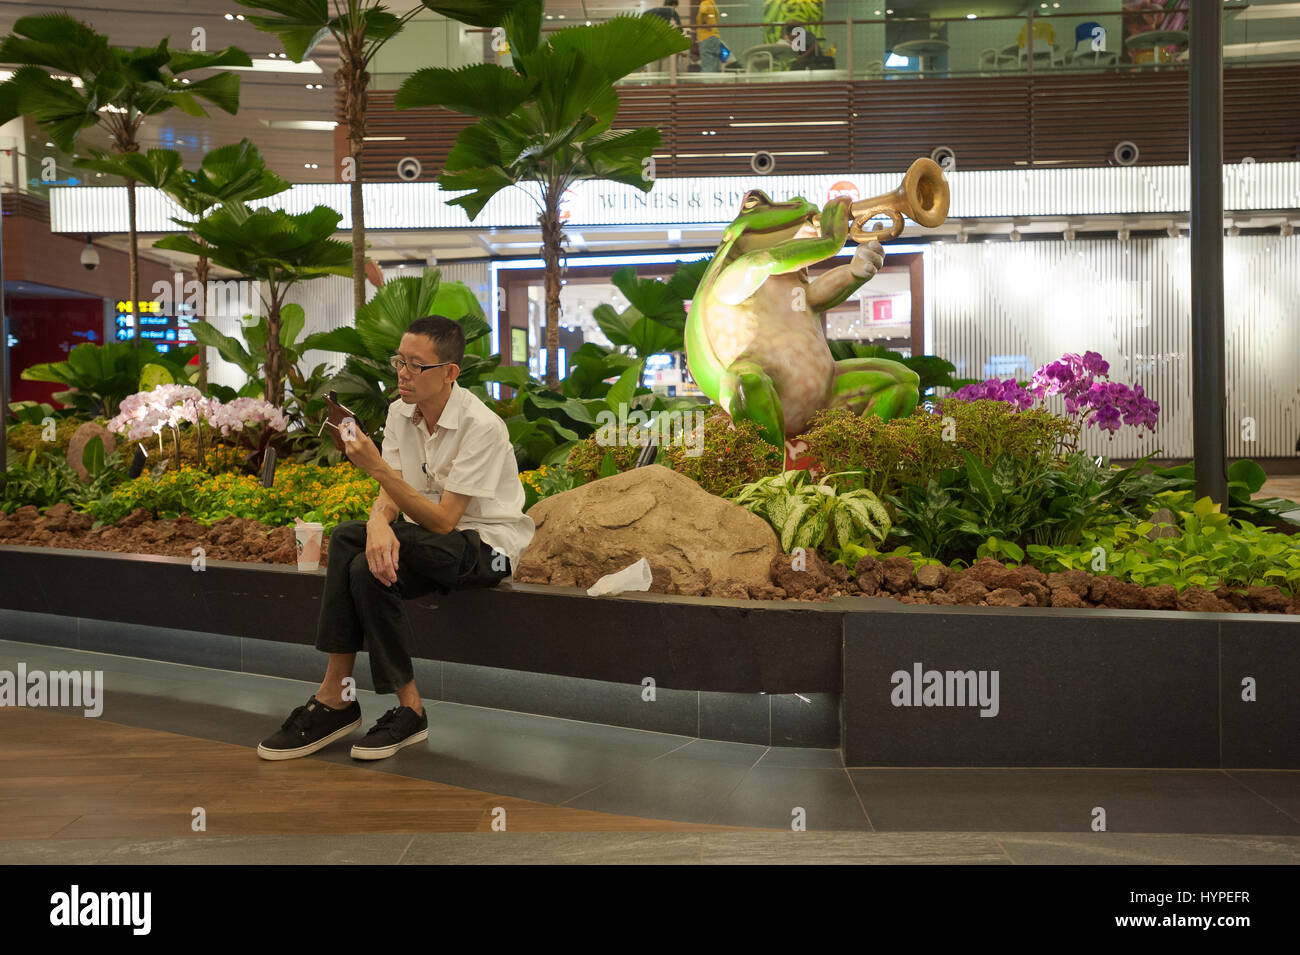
x=754, y=339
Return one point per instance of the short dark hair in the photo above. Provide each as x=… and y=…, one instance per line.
x=447, y=336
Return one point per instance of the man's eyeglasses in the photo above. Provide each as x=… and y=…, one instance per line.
x=399, y=363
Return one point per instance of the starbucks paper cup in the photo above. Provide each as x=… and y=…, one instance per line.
x=308, y=536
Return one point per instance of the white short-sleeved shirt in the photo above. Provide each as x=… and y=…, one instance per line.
x=469, y=452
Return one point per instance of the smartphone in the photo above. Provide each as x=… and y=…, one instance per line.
x=334, y=420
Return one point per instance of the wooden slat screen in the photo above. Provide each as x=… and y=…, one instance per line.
x=991, y=123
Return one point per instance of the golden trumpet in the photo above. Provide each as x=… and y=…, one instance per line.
x=923, y=198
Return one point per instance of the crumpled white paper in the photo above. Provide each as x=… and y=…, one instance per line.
x=633, y=577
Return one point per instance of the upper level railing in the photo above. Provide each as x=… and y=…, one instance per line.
x=34, y=173
x=1054, y=38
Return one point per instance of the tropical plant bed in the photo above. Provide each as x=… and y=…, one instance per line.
x=987, y=583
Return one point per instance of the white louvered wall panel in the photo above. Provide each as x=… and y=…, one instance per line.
x=1003, y=309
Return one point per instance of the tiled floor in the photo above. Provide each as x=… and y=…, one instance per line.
x=571, y=785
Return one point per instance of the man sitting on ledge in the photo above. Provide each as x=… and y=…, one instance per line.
x=448, y=467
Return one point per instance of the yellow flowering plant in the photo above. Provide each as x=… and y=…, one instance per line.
x=329, y=494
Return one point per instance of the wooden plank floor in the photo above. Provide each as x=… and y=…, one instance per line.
x=67, y=777
x=1287, y=485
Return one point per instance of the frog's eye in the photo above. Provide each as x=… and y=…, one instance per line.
x=751, y=202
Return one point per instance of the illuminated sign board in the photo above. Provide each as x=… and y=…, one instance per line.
x=715, y=199
x=149, y=323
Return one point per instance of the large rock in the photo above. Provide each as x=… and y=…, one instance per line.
x=82, y=437
x=649, y=512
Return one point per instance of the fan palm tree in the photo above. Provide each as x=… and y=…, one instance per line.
x=119, y=89
x=234, y=173
x=547, y=122
x=276, y=248
x=361, y=28
x=368, y=382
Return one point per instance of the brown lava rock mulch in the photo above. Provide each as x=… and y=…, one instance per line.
x=231, y=538
x=988, y=583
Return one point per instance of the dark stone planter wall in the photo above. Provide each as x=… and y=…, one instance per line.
x=1074, y=688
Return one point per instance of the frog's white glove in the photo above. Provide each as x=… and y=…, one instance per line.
x=868, y=259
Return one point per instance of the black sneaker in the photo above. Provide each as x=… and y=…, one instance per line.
x=310, y=727
x=395, y=729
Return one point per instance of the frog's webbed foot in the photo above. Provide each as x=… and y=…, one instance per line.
x=747, y=393
x=884, y=388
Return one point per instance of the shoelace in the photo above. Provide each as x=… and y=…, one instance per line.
x=298, y=720
x=386, y=722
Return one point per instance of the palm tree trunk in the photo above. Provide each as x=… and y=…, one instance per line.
x=133, y=259
x=551, y=236
x=353, y=78
x=274, y=359
x=201, y=274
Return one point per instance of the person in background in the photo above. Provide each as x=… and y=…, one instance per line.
x=803, y=41
x=706, y=18
x=666, y=12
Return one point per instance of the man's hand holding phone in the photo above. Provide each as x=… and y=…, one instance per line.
x=349, y=438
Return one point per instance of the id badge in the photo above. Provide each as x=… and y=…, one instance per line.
x=429, y=492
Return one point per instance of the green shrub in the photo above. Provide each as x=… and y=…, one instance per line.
x=45, y=478
x=730, y=457
x=1209, y=551
x=586, y=456
x=915, y=448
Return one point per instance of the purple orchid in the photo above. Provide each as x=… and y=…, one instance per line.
x=1106, y=404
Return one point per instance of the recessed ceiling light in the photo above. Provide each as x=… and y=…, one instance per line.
x=279, y=66
x=239, y=16
x=322, y=125
x=970, y=16
x=48, y=143
x=230, y=16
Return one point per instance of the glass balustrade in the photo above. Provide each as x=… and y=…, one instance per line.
x=901, y=42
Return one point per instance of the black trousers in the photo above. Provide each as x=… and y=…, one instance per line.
x=358, y=611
